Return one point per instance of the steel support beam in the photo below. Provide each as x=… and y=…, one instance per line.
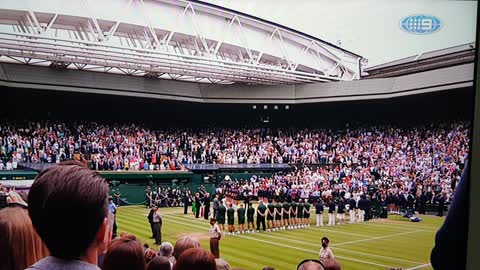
x=142, y=43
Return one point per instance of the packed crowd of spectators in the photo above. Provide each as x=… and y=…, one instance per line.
x=399, y=168
x=409, y=189
x=423, y=150
x=35, y=233
x=418, y=164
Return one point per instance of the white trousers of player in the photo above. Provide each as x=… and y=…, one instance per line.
x=361, y=215
x=331, y=219
x=352, y=216
x=319, y=220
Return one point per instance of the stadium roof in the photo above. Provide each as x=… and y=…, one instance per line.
x=457, y=55
x=273, y=23
x=168, y=39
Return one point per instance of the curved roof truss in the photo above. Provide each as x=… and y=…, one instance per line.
x=180, y=40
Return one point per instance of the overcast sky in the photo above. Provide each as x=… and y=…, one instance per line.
x=370, y=28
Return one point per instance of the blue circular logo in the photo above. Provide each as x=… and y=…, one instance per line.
x=421, y=24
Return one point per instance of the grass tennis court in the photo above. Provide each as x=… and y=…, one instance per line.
x=376, y=244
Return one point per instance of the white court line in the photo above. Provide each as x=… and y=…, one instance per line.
x=375, y=222
x=174, y=221
x=346, y=250
x=312, y=227
x=291, y=247
x=403, y=223
x=337, y=248
x=342, y=243
x=384, y=221
x=335, y=245
x=400, y=223
x=315, y=252
x=419, y=267
x=375, y=238
x=327, y=230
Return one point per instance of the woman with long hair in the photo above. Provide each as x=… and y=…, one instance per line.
x=20, y=245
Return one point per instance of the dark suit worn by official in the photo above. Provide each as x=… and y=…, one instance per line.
x=206, y=202
x=150, y=220
x=186, y=200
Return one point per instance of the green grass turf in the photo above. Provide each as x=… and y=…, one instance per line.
x=376, y=244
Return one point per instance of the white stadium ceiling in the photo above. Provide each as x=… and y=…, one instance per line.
x=166, y=39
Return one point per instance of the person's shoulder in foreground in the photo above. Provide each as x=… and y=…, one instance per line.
x=68, y=208
x=451, y=238
x=54, y=263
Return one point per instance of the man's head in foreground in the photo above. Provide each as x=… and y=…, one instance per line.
x=68, y=208
x=310, y=265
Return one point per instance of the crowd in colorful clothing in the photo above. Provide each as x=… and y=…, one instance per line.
x=423, y=151
x=423, y=162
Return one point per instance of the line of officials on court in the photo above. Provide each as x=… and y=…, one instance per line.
x=359, y=210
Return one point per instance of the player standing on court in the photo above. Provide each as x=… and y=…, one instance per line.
x=250, y=214
x=241, y=219
x=270, y=214
x=286, y=215
x=278, y=215
x=231, y=219
x=222, y=210
x=306, y=214
x=261, y=213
